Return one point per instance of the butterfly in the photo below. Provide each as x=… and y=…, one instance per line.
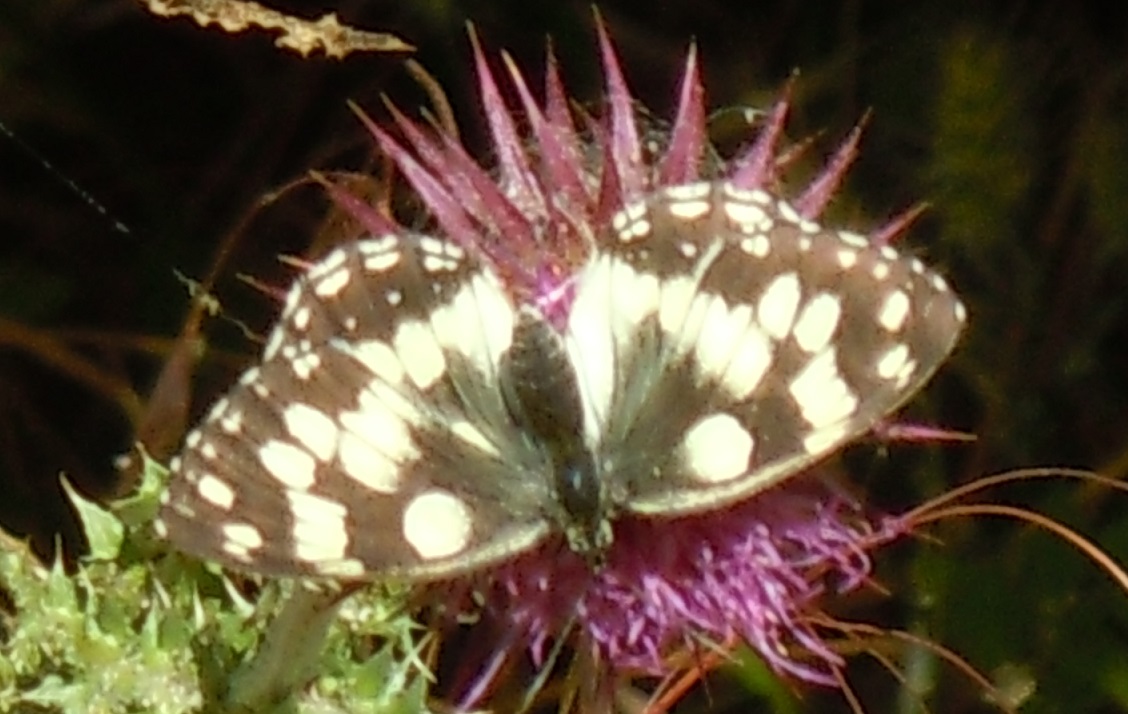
x=410, y=418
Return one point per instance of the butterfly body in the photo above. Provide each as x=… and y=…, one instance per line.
x=411, y=418
x=545, y=403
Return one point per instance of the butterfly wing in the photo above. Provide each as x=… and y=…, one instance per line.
x=723, y=344
x=372, y=440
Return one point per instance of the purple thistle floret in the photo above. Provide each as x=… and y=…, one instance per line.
x=750, y=573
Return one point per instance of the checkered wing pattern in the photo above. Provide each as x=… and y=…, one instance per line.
x=723, y=343
x=716, y=344
x=372, y=436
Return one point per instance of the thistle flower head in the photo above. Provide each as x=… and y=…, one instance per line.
x=750, y=572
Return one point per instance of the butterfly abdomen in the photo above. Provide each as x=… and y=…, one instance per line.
x=543, y=393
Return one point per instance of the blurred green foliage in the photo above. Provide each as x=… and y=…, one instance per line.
x=136, y=629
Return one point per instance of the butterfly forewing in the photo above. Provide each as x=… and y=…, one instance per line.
x=724, y=344
x=372, y=438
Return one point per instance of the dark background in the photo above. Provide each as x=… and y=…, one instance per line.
x=1009, y=120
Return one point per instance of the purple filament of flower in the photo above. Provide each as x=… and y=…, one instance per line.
x=747, y=573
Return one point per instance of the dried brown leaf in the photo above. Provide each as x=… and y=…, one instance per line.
x=326, y=33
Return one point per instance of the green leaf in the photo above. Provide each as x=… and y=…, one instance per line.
x=104, y=532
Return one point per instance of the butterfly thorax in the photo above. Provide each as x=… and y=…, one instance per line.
x=543, y=396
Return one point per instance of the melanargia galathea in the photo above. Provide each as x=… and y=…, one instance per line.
x=411, y=419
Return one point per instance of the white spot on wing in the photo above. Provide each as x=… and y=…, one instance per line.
x=777, y=306
x=431, y=245
x=817, y=322
x=677, y=296
x=750, y=362
x=273, y=343
x=292, y=299
x=419, y=352
x=689, y=191
x=382, y=261
x=477, y=322
x=894, y=311
x=822, y=440
x=362, y=462
x=239, y=539
x=721, y=328
x=749, y=216
x=788, y=212
x=232, y=423
x=332, y=284
x=894, y=359
x=855, y=239
x=301, y=317
x=216, y=492
x=717, y=448
x=497, y=315
x=291, y=465
x=217, y=409
x=631, y=223
x=756, y=245
x=305, y=365
x=437, y=524
x=905, y=373
x=473, y=435
x=328, y=264
x=590, y=344
x=313, y=428
x=376, y=246
x=821, y=394
x=960, y=312
x=688, y=337
x=377, y=424
x=380, y=359
x=635, y=296
x=319, y=529
x=439, y=264
x=689, y=210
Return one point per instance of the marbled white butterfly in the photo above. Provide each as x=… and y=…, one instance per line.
x=411, y=419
